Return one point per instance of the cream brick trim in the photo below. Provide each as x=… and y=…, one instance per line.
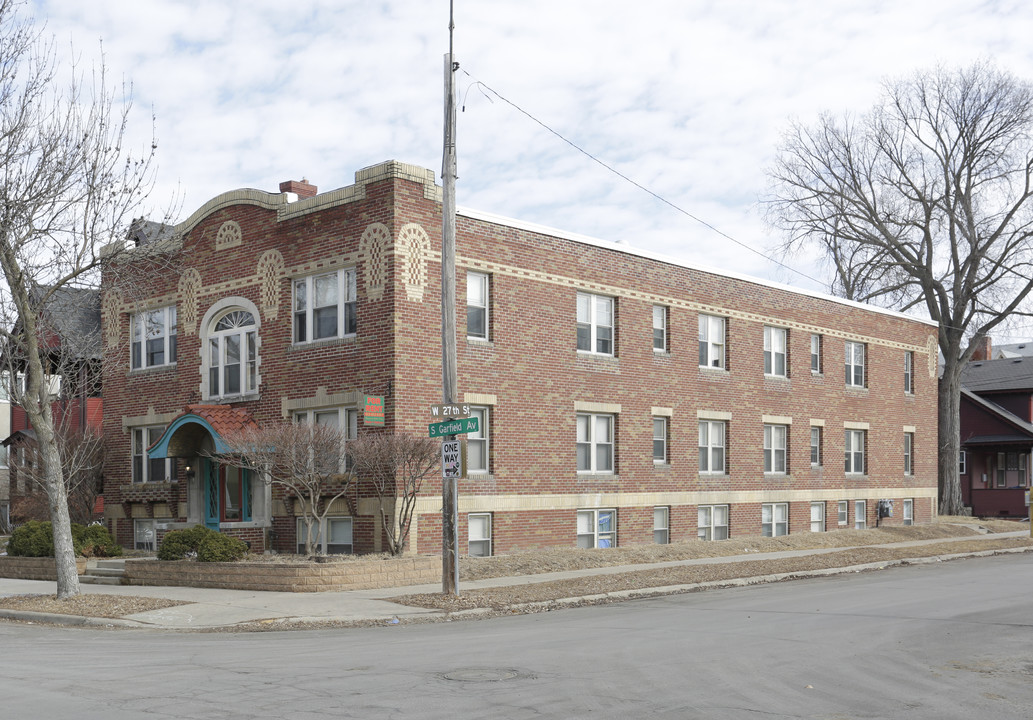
x=817, y=423
x=909, y=428
x=713, y=415
x=777, y=419
x=480, y=399
x=856, y=425
x=582, y=406
x=662, y=412
x=151, y=418
x=320, y=400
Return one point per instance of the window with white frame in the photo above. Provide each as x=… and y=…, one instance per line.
x=816, y=342
x=817, y=517
x=712, y=341
x=860, y=514
x=774, y=519
x=154, y=338
x=479, y=525
x=233, y=355
x=336, y=538
x=145, y=468
x=853, y=456
x=477, y=305
x=712, y=522
x=962, y=463
x=712, y=434
x=477, y=457
x=660, y=440
x=909, y=512
x=596, y=528
x=775, y=449
x=775, y=351
x=909, y=453
x=659, y=328
x=909, y=373
x=595, y=323
x=816, y=433
x=325, y=306
x=661, y=525
x=145, y=533
x=842, y=508
x=594, y=443
x=855, y=364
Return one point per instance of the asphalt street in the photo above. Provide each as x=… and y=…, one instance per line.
x=949, y=640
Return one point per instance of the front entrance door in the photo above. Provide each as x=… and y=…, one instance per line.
x=227, y=494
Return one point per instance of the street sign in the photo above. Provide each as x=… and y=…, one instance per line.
x=454, y=427
x=373, y=410
x=451, y=459
x=450, y=410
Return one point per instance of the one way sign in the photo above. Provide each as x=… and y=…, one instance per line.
x=451, y=459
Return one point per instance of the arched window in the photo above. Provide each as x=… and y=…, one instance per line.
x=233, y=354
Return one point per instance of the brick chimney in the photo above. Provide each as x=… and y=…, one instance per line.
x=984, y=351
x=301, y=188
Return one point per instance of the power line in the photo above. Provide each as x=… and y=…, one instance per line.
x=624, y=177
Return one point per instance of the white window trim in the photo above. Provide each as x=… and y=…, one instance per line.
x=593, y=444
x=663, y=424
x=707, y=531
x=706, y=451
x=843, y=513
x=820, y=431
x=776, y=347
x=908, y=512
x=662, y=524
x=483, y=437
x=594, y=324
x=215, y=312
x=854, y=445
x=596, y=535
x=486, y=541
x=346, y=300
x=851, y=364
x=321, y=543
x=962, y=463
x=909, y=453
x=483, y=308
x=168, y=336
x=816, y=340
x=909, y=373
x=772, y=448
x=142, y=524
x=347, y=423
x=820, y=507
x=712, y=350
x=660, y=313
x=860, y=518
x=774, y=524
x=145, y=472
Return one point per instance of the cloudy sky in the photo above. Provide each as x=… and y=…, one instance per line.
x=688, y=98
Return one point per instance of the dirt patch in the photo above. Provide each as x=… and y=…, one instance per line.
x=91, y=605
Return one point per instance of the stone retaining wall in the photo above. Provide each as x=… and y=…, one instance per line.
x=287, y=576
x=24, y=568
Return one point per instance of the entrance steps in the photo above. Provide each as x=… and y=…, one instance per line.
x=103, y=572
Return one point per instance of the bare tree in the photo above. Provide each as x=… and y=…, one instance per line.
x=69, y=186
x=305, y=459
x=923, y=204
x=394, y=465
x=82, y=463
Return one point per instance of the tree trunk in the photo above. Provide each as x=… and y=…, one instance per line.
x=949, y=436
x=57, y=496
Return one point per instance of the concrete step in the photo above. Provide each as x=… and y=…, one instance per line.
x=119, y=563
x=99, y=580
x=105, y=572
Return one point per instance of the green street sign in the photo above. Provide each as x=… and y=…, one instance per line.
x=459, y=426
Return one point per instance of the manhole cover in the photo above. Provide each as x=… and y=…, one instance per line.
x=481, y=674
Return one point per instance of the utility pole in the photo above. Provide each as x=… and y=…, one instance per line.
x=449, y=352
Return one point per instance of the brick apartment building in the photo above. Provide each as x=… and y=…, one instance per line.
x=623, y=398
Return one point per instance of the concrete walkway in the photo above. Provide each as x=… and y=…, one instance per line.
x=211, y=608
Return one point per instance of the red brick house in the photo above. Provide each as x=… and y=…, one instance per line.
x=997, y=435
x=623, y=398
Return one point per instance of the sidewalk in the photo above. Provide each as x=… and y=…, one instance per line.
x=211, y=608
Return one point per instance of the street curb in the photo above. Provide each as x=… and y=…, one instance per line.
x=71, y=620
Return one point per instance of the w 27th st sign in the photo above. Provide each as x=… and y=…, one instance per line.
x=454, y=427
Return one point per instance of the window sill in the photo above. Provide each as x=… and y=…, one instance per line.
x=322, y=342
x=596, y=355
x=227, y=399
x=713, y=475
x=778, y=476
x=153, y=369
x=713, y=372
x=858, y=389
x=598, y=475
x=480, y=342
x=661, y=353
x=661, y=465
x=243, y=525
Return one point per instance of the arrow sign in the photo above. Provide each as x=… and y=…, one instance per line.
x=451, y=459
x=454, y=427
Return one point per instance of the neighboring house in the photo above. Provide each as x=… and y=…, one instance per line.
x=623, y=398
x=1013, y=350
x=71, y=336
x=996, y=435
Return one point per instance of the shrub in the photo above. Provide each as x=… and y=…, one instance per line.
x=36, y=539
x=32, y=539
x=209, y=545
